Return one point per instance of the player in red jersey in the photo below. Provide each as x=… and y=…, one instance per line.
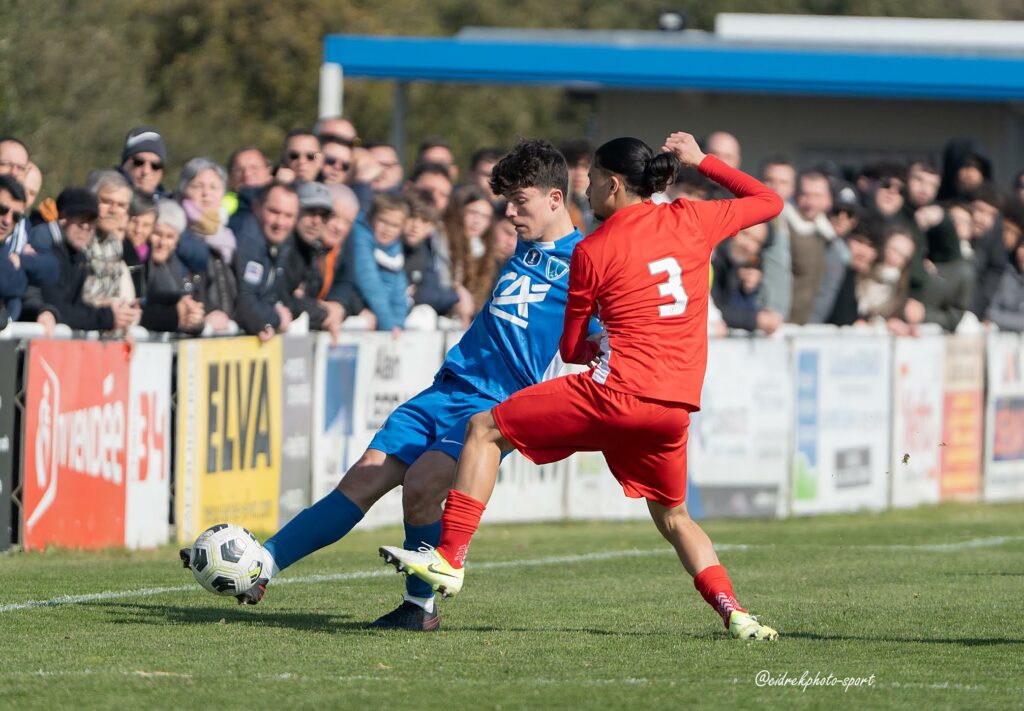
x=644, y=272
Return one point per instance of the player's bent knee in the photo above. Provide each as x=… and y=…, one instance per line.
x=372, y=476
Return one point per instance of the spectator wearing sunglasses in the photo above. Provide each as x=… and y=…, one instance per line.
x=142, y=161
x=14, y=162
x=337, y=160
x=13, y=279
x=302, y=154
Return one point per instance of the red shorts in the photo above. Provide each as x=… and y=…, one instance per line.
x=643, y=440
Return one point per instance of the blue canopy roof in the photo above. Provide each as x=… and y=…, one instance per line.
x=681, y=61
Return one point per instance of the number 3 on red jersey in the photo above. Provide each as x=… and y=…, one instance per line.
x=673, y=287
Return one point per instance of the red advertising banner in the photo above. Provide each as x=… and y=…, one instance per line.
x=75, y=444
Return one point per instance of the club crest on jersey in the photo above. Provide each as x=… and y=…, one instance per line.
x=532, y=257
x=557, y=268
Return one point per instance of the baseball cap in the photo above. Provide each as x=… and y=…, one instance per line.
x=314, y=196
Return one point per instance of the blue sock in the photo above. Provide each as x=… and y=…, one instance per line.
x=416, y=536
x=323, y=523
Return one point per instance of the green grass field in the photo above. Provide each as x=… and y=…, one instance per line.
x=852, y=596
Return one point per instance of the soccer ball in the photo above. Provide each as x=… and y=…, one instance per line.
x=226, y=559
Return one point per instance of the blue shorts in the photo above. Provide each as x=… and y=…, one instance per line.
x=435, y=419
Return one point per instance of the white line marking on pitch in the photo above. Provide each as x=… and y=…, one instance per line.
x=493, y=565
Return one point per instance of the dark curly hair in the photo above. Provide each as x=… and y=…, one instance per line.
x=531, y=164
x=644, y=172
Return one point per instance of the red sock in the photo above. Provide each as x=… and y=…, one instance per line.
x=459, y=522
x=715, y=587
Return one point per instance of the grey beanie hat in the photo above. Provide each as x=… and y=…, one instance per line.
x=196, y=166
x=171, y=213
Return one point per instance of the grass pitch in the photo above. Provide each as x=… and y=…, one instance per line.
x=923, y=603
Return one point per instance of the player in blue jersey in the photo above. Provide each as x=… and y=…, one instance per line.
x=512, y=344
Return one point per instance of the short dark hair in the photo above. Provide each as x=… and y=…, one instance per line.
x=485, y=155
x=532, y=163
x=245, y=149
x=11, y=185
x=694, y=180
x=643, y=171
x=433, y=142
x=298, y=132
x=890, y=169
x=926, y=165
x=812, y=173
x=422, y=205
x=429, y=168
x=1013, y=212
x=264, y=193
x=776, y=159
x=576, y=150
x=331, y=138
x=863, y=234
x=384, y=202
x=989, y=194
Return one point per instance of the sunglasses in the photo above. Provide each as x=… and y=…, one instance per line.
x=309, y=155
x=15, y=215
x=332, y=161
x=154, y=164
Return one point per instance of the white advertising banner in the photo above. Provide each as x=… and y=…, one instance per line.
x=593, y=493
x=148, y=490
x=401, y=368
x=527, y=492
x=336, y=409
x=739, y=443
x=1004, y=431
x=917, y=419
x=841, y=448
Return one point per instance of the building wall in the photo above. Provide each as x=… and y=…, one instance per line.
x=811, y=129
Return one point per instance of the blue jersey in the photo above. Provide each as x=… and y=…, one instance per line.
x=513, y=342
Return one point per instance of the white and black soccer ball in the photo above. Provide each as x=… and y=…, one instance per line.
x=226, y=559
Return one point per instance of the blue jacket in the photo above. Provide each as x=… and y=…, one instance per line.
x=380, y=277
x=193, y=252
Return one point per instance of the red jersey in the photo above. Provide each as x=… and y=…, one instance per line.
x=645, y=273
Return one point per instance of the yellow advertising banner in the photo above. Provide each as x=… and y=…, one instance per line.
x=228, y=467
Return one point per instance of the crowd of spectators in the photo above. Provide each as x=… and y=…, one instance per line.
x=892, y=245
x=337, y=235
